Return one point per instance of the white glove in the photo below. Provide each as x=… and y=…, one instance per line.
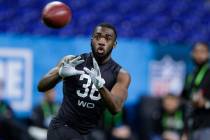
x=95, y=75
x=68, y=67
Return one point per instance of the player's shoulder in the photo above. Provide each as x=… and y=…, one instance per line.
x=120, y=70
x=124, y=72
x=124, y=77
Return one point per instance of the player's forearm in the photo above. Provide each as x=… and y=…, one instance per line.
x=112, y=103
x=49, y=81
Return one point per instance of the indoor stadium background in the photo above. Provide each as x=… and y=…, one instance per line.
x=154, y=42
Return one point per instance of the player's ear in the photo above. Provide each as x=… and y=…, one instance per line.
x=115, y=44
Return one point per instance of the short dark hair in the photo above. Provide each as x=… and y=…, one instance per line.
x=110, y=26
x=204, y=43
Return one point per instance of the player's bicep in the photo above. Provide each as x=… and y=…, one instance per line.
x=119, y=94
x=120, y=89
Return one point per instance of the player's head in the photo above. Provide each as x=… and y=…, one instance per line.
x=104, y=39
x=200, y=53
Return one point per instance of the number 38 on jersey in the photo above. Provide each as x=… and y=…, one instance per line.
x=88, y=89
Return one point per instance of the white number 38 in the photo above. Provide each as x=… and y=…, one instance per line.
x=86, y=87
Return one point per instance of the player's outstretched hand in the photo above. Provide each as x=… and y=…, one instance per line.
x=95, y=75
x=68, y=67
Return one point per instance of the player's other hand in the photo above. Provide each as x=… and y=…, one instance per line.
x=68, y=69
x=95, y=75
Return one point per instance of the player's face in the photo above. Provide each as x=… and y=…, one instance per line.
x=102, y=42
x=200, y=54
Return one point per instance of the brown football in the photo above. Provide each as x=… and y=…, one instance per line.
x=56, y=14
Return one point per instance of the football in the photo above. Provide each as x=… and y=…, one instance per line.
x=56, y=14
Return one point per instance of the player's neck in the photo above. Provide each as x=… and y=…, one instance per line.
x=102, y=61
x=106, y=60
